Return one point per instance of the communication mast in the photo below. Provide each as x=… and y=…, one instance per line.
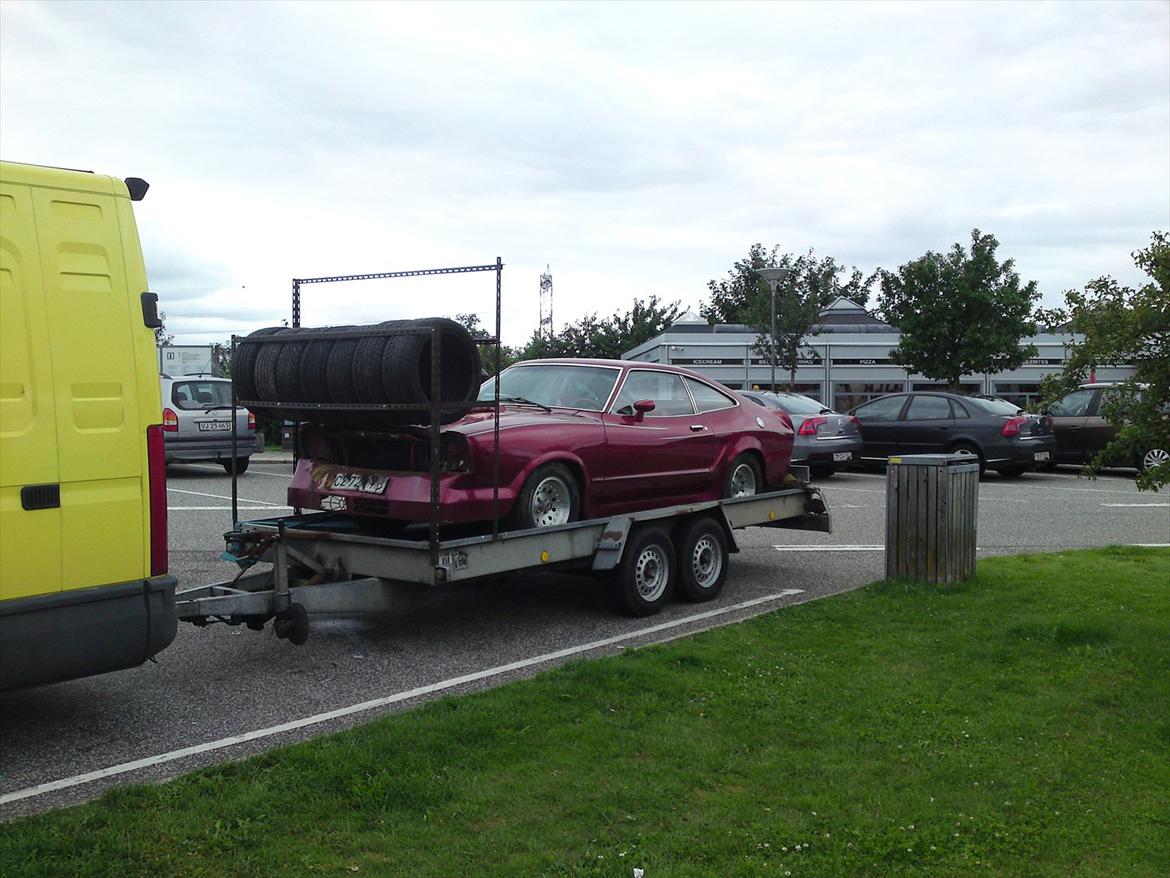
x=545, y=329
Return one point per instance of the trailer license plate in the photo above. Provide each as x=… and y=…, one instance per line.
x=1041, y=455
x=363, y=483
x=214, y=426
x=839, y=456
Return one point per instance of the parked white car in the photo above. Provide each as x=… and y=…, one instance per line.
x=197, y=422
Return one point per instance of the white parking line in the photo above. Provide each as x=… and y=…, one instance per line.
x=829, y=548
x=89, y=777
x=1137, y=505
x=228, y=497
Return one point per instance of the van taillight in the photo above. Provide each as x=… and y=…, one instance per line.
x=157, y=467
x=170, y=421
x=1012, y=426
x=810, y=426
x=251, y=421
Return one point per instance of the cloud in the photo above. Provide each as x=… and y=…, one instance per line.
x=635, y=148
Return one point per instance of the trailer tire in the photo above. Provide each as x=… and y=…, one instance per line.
x=702, y=559
x=292, y=625
x=644, y=581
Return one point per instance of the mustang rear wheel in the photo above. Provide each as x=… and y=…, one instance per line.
x=744, y=479
x=549, y=498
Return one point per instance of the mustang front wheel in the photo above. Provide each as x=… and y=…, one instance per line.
x=549, y=498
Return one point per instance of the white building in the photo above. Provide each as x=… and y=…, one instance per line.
x=845, y=360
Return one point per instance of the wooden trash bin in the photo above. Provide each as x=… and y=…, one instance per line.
x=932, y=505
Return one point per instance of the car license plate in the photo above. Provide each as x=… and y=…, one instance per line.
x=839, y=456
x=364, y=483
x=214, y=426
x=1041, y=455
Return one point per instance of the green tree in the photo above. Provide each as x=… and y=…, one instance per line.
x=959, y=313
x=811, y=285
x=508, y=355
x=605, y=338
x=162, y=338
x=1123, y=326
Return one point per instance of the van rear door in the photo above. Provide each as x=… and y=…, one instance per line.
x=30, y=537
x=90, y=303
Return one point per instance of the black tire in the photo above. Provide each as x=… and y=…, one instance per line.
x=367, y=364
x=241, y=466
x=339, y=371
x=311, y=376
x=264, y=372
x=292, y=625
x=244, y=364
x=1011, y=472
x=406, y=369
x=968, y=448
x=550, y=497
x=744, y=477
x=702, y=559
x=822, y=472
x=644, y=580
x=288, y=368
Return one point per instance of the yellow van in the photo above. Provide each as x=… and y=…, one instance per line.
x=83, y=536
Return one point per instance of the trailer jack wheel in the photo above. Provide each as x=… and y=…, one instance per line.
x=292, y=625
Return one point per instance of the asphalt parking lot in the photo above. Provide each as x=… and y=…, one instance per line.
x=222, y=693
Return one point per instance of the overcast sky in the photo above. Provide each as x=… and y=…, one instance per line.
x=635, y=148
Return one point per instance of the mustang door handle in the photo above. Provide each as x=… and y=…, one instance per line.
x=696, y=428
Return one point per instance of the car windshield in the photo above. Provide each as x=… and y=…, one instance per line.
x=564, y=385
x=994, y=406
x=795, y=404
x=201, y=394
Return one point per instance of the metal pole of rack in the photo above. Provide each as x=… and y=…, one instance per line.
x=435, y=462
x=235, y=405
x=496, y=429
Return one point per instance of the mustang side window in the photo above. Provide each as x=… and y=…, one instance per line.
x=664, y=388
x=707, y=398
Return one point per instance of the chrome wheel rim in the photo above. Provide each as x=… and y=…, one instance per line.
x=551, y=503
x=651, y=573
x=743, y=481
x=706, y=562
x=1155, y=457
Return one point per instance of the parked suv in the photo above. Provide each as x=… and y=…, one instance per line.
x=999, y=433
x=197, y=422
x=1082, y=431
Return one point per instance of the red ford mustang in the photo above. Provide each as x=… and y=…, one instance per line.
x=578, y=439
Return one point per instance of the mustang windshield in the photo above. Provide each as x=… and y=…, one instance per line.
x=563, y=385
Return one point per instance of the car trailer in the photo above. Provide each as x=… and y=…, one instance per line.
x=332, y=563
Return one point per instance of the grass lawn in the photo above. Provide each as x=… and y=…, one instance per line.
x=1018, y=724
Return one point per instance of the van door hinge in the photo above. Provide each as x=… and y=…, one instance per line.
x=40, y=497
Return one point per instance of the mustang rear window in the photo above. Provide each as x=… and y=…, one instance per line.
x=201, y=394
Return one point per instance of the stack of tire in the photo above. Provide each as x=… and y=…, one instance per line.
x=373, y=365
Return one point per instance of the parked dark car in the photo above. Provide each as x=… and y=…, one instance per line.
x=1082, y=431
x=578, y=439
x=824, y=441
x=1003, y=436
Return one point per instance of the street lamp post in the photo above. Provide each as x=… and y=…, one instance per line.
x=772, y=277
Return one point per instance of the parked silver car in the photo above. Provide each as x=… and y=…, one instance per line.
x=825, y=441
x=197, y=422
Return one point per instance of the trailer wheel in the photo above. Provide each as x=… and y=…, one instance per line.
x=645, y=579
x=702, y=559
x=292, y=625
